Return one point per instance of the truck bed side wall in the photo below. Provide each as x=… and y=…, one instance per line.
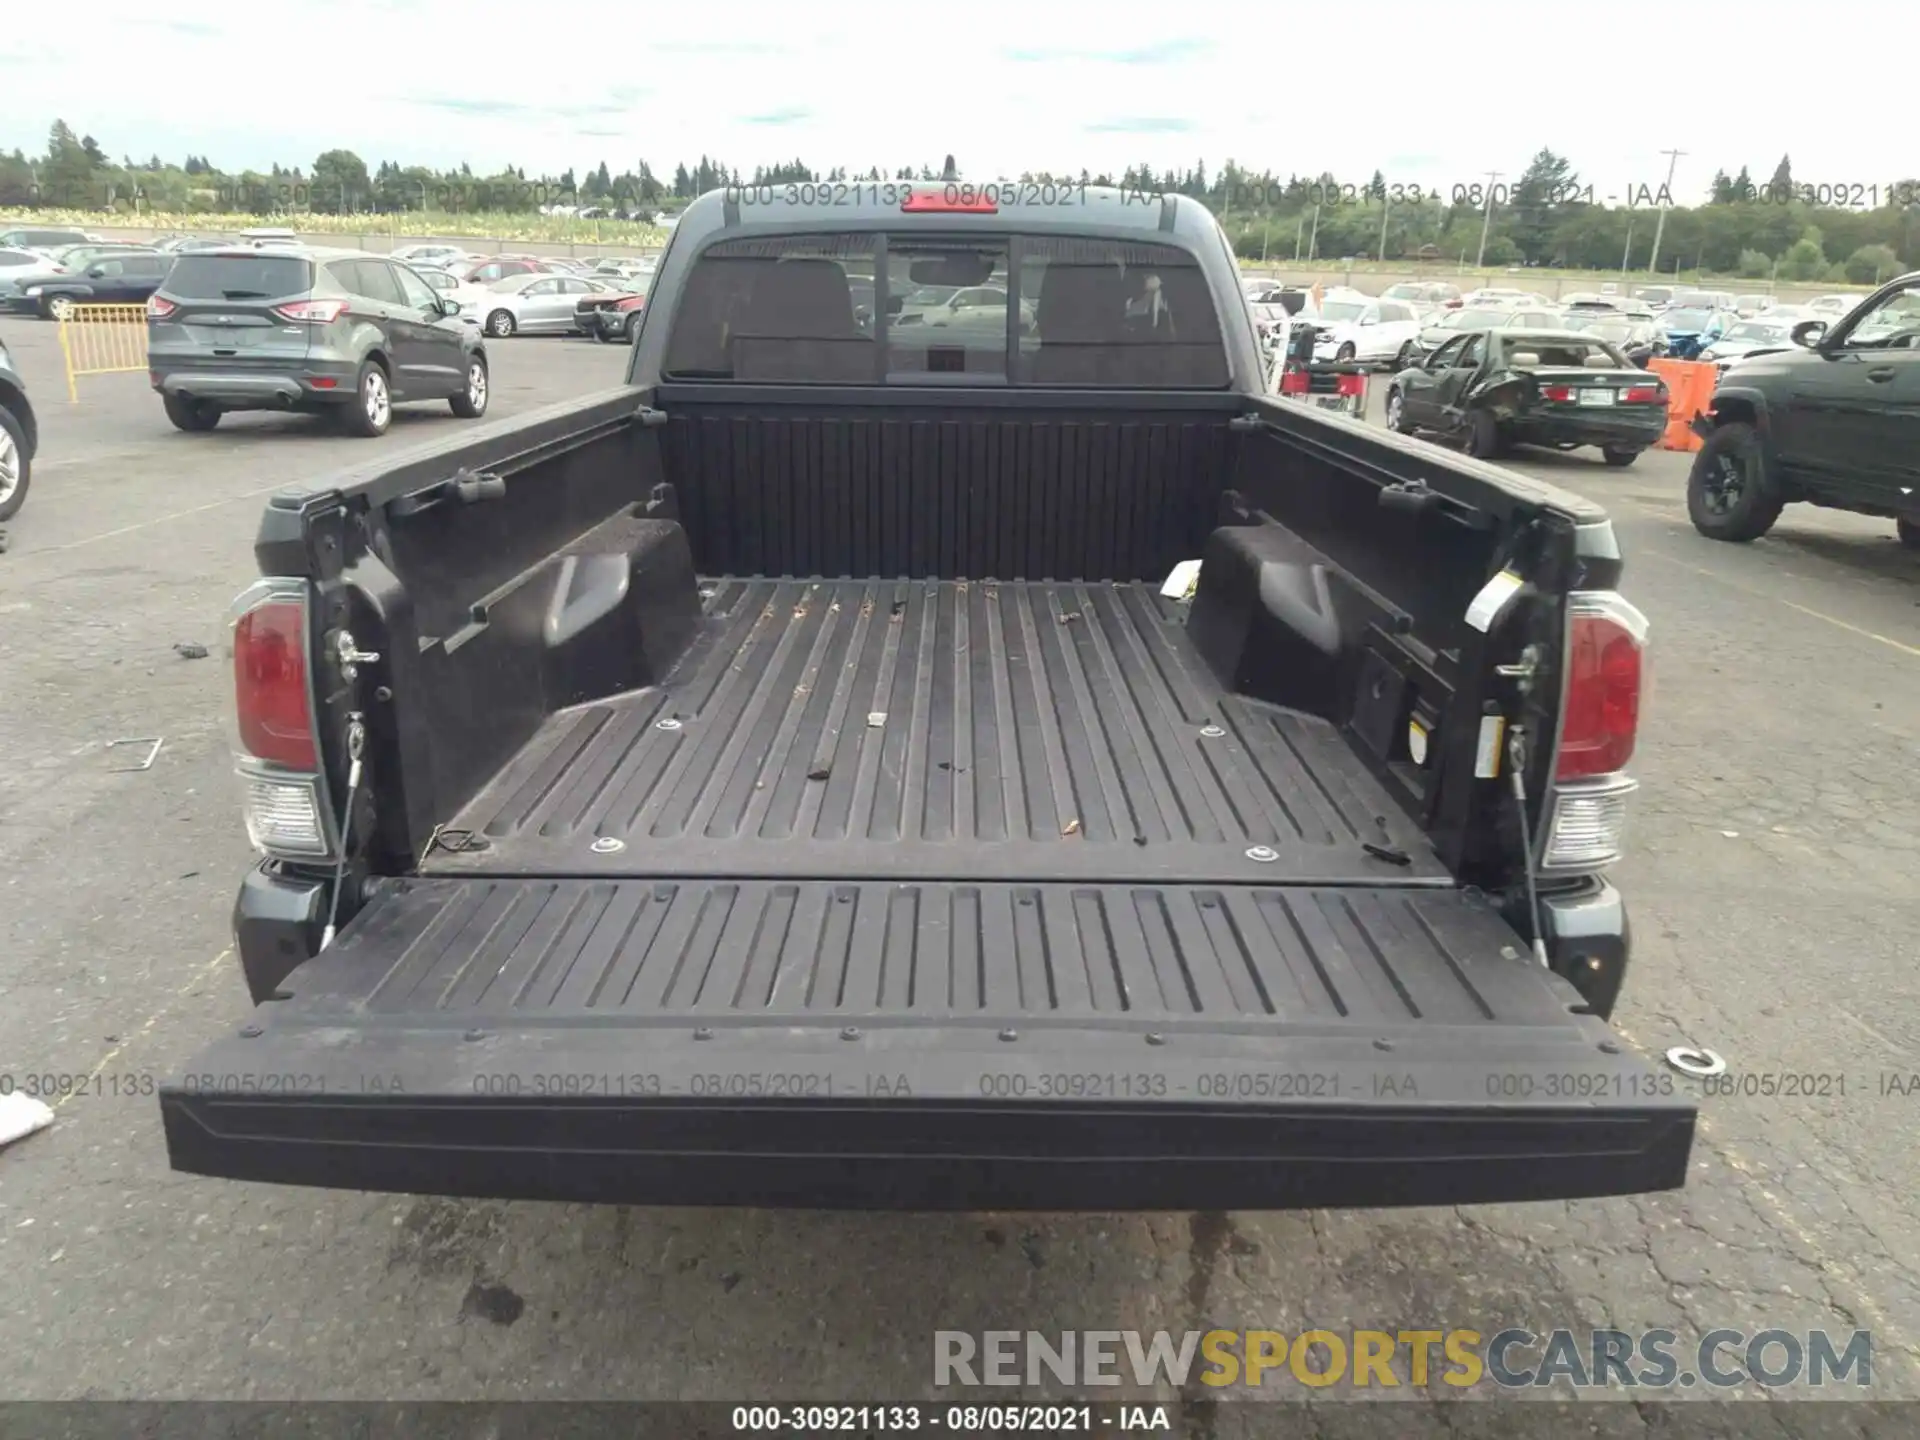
x=580, y=581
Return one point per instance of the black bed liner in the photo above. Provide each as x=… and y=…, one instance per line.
x=951, y=730
x=904, y=1045
x=1001, y=946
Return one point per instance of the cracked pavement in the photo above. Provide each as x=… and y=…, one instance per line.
x=1770, y=879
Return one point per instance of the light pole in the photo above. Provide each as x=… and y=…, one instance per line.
x=1486, y=220
x=1666, y=191
x=1386, y=209
x=1313, y=235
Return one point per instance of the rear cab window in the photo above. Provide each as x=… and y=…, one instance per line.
x=919, y=308
x=239, y=277
x=1556, y=354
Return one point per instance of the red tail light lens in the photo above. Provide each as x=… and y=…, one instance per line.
x=1559, y=394
x=158, y=309
x=1294, y=382
x=312, y=312
x=270, y=684
x=1606, y=641
x=1352, y=385
x=1640, y=395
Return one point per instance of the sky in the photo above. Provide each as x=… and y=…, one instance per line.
x=1004, y=87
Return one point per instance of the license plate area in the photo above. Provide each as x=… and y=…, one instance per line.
x=1596, y=397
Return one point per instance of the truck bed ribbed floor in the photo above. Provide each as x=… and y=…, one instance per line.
x=956, y=731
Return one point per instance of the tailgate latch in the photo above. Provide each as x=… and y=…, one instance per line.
x=350, y=657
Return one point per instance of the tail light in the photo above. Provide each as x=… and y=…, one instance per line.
x=1352, y=385
x=1640, y=395
x=158, y=309
x=1599, y=723
x=312, y=312
x=1294, y=382
x=276, y=750
x=1559, y=394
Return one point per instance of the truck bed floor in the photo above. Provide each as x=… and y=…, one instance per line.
x=958, y=731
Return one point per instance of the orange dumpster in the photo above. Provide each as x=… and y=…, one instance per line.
x=1689, y=393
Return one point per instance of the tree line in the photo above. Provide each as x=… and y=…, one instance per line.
x=1779, y=229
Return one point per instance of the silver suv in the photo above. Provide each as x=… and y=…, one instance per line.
x=308, y=329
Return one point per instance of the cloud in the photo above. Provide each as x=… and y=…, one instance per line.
x=481, y=107
x=714, y=47
x=1159, y=52
x=791, y=115
x=466, y=105
x=1139, y=125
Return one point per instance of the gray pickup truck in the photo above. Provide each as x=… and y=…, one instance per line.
x=787, y=779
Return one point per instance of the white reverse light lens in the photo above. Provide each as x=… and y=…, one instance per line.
x=283, y=816
x=1589, y=824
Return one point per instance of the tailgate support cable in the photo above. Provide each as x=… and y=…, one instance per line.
x=1516, y=769
x=356, y=743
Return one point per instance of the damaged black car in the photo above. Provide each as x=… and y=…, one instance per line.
x=1557, y=388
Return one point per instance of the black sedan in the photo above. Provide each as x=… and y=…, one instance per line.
x=1559, y=388
x=121, y=277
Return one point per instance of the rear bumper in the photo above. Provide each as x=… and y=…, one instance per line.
x=534, y=1084
x=1612, y=432
x=810, y=1120
x=310, y=383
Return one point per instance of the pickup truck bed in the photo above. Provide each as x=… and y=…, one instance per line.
x=919, y=729
x=1071, y=921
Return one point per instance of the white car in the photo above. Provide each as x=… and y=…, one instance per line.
x=467, y=297
x=1356, y=327
x=429, y=254
x=1758, y=335
x=1495, y=297
x=1832, y=307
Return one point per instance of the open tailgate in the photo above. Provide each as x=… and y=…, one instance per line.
x=929, y=1046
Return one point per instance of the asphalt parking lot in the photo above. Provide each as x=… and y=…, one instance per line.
x=1772, y=883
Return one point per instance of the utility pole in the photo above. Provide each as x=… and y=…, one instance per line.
x=1313, y=235
x=1299, y=238
x=1626, y=251
x=1386, y=209
x=1486, y=220
x=1666, y=191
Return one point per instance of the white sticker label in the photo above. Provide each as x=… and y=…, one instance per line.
x=1417, y=742
x=1486, y=757
x=1492, y=599
x=1183, y=581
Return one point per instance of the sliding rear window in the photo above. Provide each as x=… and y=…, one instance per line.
x=975, y=310
x=239, y=277
x=785, y=309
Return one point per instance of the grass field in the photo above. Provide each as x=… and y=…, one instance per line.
x=488, y=225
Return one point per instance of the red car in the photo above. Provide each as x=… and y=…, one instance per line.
x=500, y=267
x=611, y=317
